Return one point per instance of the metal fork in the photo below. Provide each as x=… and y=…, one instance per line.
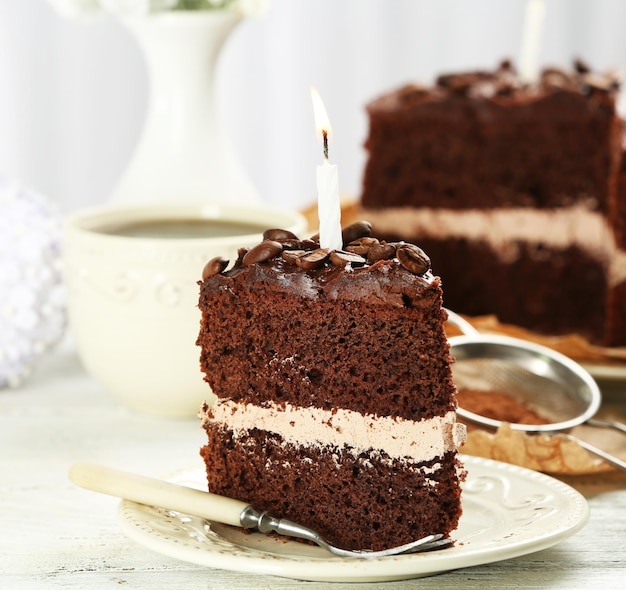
x=156, y=492
x=265, y=523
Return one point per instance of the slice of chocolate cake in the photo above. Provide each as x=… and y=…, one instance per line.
x=512, y=189
x=335, y=402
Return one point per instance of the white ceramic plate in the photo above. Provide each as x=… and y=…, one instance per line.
x=507, y=511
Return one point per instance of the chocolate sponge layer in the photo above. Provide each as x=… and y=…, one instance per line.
x=384, y=353
x=355, y=501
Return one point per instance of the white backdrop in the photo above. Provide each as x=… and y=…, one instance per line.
x=73, y=95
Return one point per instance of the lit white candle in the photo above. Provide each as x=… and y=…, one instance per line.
x=328, y=202
x=531, y=39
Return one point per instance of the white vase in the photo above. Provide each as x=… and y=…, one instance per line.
x=183, y=154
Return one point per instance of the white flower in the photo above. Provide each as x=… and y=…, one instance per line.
x=32, y=299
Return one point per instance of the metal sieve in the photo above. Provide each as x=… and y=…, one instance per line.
x=539, y=378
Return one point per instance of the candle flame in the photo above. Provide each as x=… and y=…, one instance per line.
x=322, y=124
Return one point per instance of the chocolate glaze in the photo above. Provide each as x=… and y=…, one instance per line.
x=383, y=281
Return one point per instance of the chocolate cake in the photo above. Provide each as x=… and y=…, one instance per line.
x=512, y=188
x=335, y=402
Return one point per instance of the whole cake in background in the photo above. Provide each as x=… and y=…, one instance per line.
x=513, y=189
x=335, y=402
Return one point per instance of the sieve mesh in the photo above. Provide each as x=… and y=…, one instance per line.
x=550, y=397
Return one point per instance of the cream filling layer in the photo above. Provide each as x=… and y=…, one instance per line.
x=501, y=228
x=399, y=438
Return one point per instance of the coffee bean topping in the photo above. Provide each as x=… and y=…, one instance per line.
x=291, y=255
x=361, y=250
x=279, y=235
x=382, y=251
x=413, y=258
x=413, y=91
x=342, y=258
x=359, y=229
x=361, y=246
x=261, y=252
x=313, y=259
x=504, y=81
x=213, y=267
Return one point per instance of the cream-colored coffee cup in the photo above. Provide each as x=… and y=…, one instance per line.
x=133, y=293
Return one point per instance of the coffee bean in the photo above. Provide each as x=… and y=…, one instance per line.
x=414, y=259
x=213, y=267
x=313, y=259
x=290, y=256
x=361, y=246
x=354, y=231
x=461, y=83
x=309, y=244
x=381, y=252
x=261, y=252
x=581, y=67
x=597, y=82
x=506, y=65
x=410, y=91
x=279, y=235
x=342, y=258
x=290, y=244
x=556, y=77
x=504, y=89
x=298, y=244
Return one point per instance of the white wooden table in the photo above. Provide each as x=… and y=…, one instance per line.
x=54, y=535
